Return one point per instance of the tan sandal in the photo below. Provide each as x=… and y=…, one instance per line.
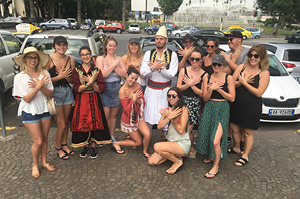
x=35, y=172
x=49, y=167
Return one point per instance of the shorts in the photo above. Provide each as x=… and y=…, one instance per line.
x=28, y=118
x=110, y=97
x=63, y=95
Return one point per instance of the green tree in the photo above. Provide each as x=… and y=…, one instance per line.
x=168, y=7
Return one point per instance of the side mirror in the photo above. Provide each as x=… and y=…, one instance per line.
x=289, y=70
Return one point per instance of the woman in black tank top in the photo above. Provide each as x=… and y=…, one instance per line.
x=251, y=81
x=60, y=68
x=218, y=89
x=211, y=47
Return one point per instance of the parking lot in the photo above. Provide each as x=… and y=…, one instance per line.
x=272, y=171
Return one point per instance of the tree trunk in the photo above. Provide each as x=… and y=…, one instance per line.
x=124, y=13
x=78, y=13
x=6, y=10
x=32, y=9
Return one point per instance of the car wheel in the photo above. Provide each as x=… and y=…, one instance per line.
x=256, y=37
x=119, y=31
x=44, y=27
x=200, y=42
x=2, y=96
x=63, y=28
x=169, y=32
x=177, y=35
x=244, y=37
x=150, y=32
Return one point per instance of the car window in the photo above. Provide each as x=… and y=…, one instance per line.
x=12, y=43
x=115, y=24
x=270, y=48
x=207, y=32
x=291, y=55
x=52, y=21
x=109, y=24
x=185, y=28
x=276, y=68
x=2, y=49
x=240, y=30
x=134, y=25
x=219, y=33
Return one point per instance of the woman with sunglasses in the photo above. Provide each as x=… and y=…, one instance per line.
x=132, y=121
x=251, y=81
x=190, y=81
x=60, y=68
x=211, y=46
x=33, y=85
x=89, y=124
x=113, y=69
x=218, y=89
x=178, y=142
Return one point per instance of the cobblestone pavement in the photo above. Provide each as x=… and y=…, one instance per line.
x=272, y=172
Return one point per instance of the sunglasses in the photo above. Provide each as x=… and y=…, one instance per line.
x=195, y=59
x=30, y=58
x=215, y=64
x=83, y=55
x=187, y=41
x=173, y=96
x=256, y=56
x=210, y=46
x=230, y=39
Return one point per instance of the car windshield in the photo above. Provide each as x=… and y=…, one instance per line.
x=291, y=55
x=276, y=68
x=46, y=45
x=134, y=25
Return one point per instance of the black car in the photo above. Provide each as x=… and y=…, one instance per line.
x=203, y=34
x=294, y=39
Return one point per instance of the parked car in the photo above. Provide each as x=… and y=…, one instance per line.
x=56, y=24
x=25, y=29
x=153, y=29
x=9, y=48
x=10, y=22
x=44, y=42
x=73, y=23
x=294, y=39
x=99, y=22
x=203, y=34
x=85, y=26
x=134, y=28
x=256, y=32
x=289, y=55
x=184, y=30
x=282, y=97
x=111, y=27
x=246, y=34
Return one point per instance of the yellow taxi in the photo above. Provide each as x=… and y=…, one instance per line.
x=25, y=29
x=246, y=34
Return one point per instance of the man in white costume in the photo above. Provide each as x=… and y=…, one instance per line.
x=159, y=65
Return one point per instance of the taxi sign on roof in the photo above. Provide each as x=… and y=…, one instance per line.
x=26, y=27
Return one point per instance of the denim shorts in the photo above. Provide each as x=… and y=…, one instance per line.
x=28, y=118
x=63, y=95
x=110, y=97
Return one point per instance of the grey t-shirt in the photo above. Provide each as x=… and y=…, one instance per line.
x=243, y=56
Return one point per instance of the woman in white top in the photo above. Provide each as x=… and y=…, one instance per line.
x=34, y=85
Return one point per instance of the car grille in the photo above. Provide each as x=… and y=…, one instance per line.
x=280, y=117
x=290, y=103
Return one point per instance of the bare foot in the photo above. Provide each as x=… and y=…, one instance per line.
x=208, y=160
x=49, y=167
x=147, y=155
x=35, y=172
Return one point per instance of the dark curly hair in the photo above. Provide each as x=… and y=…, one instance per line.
x=180, y=102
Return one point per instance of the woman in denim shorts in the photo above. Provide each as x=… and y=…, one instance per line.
x=60, y=68
x=33, y=85
x=113, y=69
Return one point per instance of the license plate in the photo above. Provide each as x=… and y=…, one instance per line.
x=281, y=112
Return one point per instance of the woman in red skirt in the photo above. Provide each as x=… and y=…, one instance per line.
x=89, y=125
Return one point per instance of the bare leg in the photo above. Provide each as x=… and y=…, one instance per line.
x=67, y=111
x=236, y=134
x=61, y=125
x=45, y=131
x=147, y=137
x=192, y=150
x=249, y=140
x=136, y=140
x=156, y=159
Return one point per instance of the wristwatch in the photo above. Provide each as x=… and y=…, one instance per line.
x=86, y=85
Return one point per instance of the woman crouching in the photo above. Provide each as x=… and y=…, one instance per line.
x=178, y=142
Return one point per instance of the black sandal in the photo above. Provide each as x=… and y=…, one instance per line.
x=242, y=161
x=71, y=151
x=65, y=157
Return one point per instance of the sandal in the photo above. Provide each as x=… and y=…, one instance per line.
x=231, y=151
x=35, y=172
x=211, y=174
x=65, y=156
x=118, y=151
x=71, y=151
x=242, y=162
x=49, y=167
x=192, y=154
x=207, y=161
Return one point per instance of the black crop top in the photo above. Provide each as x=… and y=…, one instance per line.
x=216, y=94
x=189, y=91
x=53, y=73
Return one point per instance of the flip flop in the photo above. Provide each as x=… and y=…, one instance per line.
x=243, y=162
x=192, y=154
x=49, y=167
x=35, y=172
x=207, y=161
x=213, y=175
x=117, y=151
x=147, y=157
x=231, y=151
x=175, y=170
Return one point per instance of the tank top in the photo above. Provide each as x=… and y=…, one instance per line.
x=216, y=94
x=53, y=73
x=112, y=77
x=189, y=91
x=208, y=69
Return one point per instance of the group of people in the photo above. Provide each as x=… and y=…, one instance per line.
x=220, y=92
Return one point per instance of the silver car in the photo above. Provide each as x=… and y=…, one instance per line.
x=184, y=30
x=55, y=24
x=289, y=55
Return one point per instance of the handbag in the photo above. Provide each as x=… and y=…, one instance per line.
x=52, y=106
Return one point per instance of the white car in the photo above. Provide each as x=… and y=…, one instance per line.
x=281, y=100
x=289, y=55
x=183, y=31
x=134, y=28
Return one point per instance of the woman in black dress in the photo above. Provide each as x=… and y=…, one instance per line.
x=251, y=80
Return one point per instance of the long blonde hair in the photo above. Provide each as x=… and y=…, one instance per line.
x=38, y=67
x=129, y=53
x=264, y=58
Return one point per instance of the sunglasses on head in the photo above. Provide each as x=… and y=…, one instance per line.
x=210, y=46
x=253, y=55
x=173, y=96
x=195, y=59
x=215, y=64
